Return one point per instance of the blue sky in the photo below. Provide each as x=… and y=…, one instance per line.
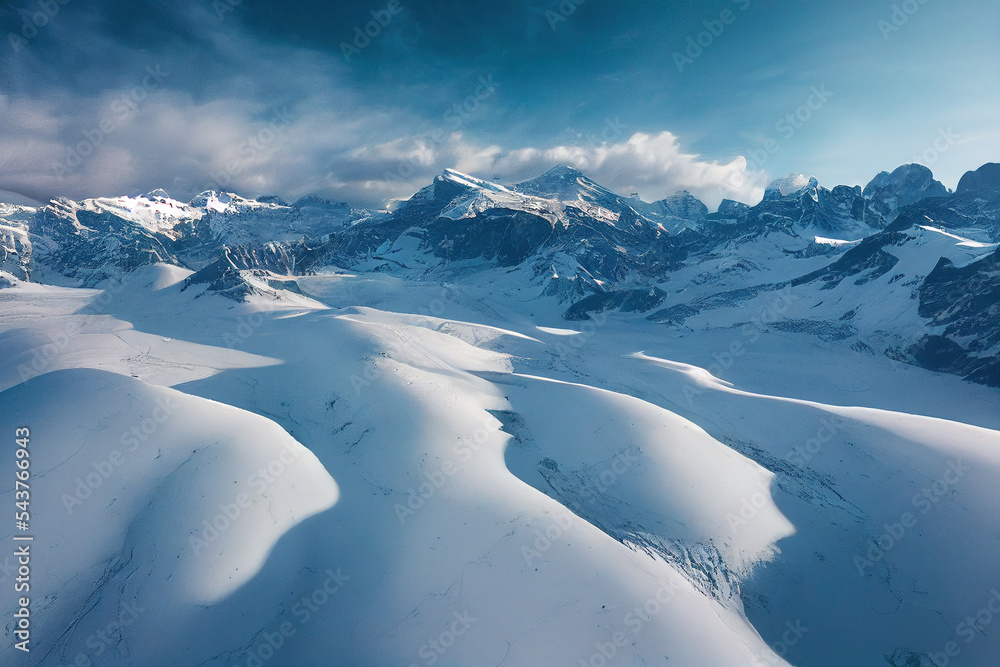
x=259, y=97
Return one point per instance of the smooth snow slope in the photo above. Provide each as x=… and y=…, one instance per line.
x=423, y=518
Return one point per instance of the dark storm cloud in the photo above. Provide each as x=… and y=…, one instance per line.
x=257, y=96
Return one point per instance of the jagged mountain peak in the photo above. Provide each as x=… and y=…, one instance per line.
x=567, y=184
x=887, y=193
x=910, y=178
x=789, y=185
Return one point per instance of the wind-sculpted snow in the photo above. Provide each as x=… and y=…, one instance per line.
x=544, y=494
x=424, y=523
x=493, y=428
x=150, y=502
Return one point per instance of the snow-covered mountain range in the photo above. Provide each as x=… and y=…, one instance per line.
x=530, y=424
x=871, y=266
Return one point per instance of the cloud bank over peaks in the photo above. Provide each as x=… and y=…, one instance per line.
x=652, y=165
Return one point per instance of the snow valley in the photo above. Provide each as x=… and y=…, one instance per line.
x=538, y=423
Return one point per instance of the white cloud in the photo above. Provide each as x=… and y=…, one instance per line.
x=325, y=140
x=170, y=141
x=651, y=164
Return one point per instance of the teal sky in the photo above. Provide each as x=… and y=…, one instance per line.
x=613, y=88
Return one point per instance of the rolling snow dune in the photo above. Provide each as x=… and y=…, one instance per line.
x=361, y=477
x=148, y=499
